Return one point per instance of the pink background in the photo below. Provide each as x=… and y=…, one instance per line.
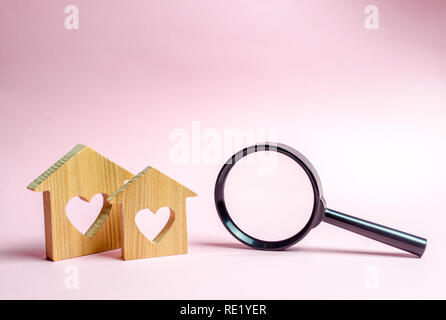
x=366, y=106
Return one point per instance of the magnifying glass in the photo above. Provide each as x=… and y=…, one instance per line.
x=395, y=238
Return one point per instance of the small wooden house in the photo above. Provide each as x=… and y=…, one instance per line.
x=151, y=189
x=81, y=172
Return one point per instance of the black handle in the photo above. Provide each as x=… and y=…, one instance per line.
x=392, y=237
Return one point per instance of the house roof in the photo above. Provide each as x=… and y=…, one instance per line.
x=56, y=166
x=128, y=184
x=135, y=178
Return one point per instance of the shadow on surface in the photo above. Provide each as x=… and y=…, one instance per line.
x=307, y=249
x=110, y=254
x=37, y=252
x=31, y=251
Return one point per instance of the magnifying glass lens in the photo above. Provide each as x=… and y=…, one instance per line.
x=269, y=196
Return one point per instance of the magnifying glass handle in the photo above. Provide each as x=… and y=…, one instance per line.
x=389, y=236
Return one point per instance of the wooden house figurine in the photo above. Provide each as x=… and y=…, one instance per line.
x=81, y=172
x=152, y=190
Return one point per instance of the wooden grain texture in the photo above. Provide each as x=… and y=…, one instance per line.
x=153, y=190
x=82, y=172
x=59, y=163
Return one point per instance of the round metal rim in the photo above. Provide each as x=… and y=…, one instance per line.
x=232, y=227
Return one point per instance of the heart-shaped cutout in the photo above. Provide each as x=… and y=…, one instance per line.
x=154, y=226
x=82, y=213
